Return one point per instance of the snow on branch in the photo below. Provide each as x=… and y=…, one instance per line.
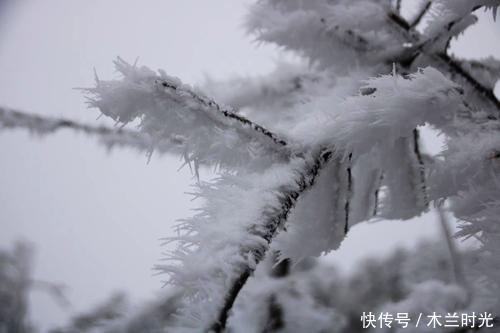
x=486, y=71
x=433, y=44
x=447, y=14
x=321, y=30
x=220, y=247
x=277, y=99
x=213, y=134
x=316, y=297
x=467, y=174
x=459, y=72
x=287, y=85
x=395, y=106
x=405, y=194
x=318, y=221
x=339, y=33
x=110, y=137
x=379, y=129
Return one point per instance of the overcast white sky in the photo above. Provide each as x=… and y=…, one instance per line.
x=95, y=218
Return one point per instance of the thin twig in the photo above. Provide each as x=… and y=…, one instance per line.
x=227, y=112
x=421, y=15
x=275, y=319
x=377, y=194
x=398, y=6
x=10, y=118
x=348, y=195
x=456, y=261
x=421, y=165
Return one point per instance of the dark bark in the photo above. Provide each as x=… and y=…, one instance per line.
x=457, y=69
x=421, y=15
x=348, y=195
x=227, y=112
x=275, y=320
x=421, y=165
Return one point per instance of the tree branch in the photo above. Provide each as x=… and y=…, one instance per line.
x=376, y=194
x=448, y=65
x=456, y=260
x=421, y=14
x=348, y=195
x=109, y=136
x=397, y=6
x=288, y=199
x=418, y=154
x=165, y=107
x=228, y=112
x=481, y=89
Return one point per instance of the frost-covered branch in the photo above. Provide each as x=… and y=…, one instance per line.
x=446, y=16
x=456, y=260
x=221, y=247
x=165, y=107
x=273, y=94
x=334, y=34
x=421, y=165
x=421, y=14
x=426, y=46
x=212, y=107
x=486, y=71
x=347, y=205
x=306, y=179
x=316, y=297
x=111, y=137
x=378, y=129
x=337, y=124
x=218, y=253
x=457, y=70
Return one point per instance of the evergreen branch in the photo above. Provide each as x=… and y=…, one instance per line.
x=288, y=199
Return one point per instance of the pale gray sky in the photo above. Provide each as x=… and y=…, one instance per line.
x=95, y=218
